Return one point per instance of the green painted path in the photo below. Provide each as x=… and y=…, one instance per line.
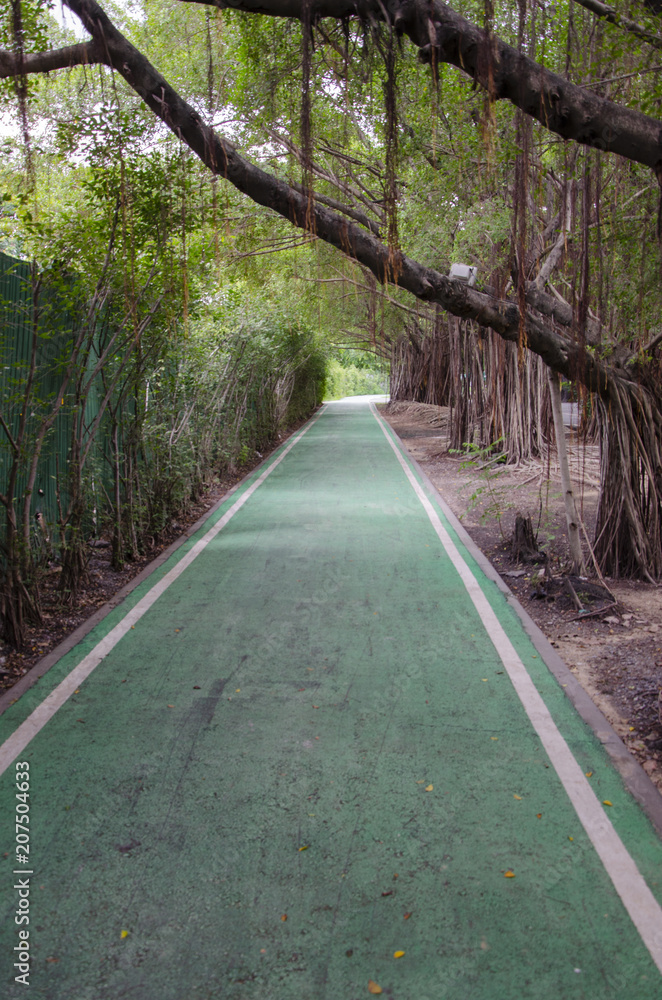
x=308, y=755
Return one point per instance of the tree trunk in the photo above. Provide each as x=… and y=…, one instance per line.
x=628, y=532
x=571, y=516
x=523, y=544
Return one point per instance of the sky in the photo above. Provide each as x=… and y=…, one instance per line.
x=67, y=19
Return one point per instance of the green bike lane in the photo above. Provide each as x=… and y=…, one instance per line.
x=308, y=756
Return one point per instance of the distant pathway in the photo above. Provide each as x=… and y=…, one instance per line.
x=313, y=757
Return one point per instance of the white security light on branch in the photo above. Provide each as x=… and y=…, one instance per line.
x=464, y=273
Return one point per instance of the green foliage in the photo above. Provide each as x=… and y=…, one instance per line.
x=355, y=373
x=490, y=497
x=30, y=32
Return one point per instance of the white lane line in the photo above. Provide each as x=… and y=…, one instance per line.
x=642, y=906
x=17, y=742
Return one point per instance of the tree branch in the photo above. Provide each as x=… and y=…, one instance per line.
x=613, y=16
x=12, y=442
x=367, y=198
x=82, y=54
x=560, y=106
x=337, y=206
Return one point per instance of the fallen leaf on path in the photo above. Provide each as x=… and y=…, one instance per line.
x=284, y=917
x=589, y=773
x=315, y=706
x=305, y=847
x=518, y=797
x=52, y=958
x=171, y=706
x=494, y=737
x=429, y=788
x=125, y=848
x=124, y=934
x=539, y=815
x=407, y=916
x=373, y=987
x=606, y=802
x=389, y=892
x=571, y=838
x=509, y=874
x=398, y=954
x=421, y=782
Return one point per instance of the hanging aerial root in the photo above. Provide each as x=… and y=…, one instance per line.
x=628, y=531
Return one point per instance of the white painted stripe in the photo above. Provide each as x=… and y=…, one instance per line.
x=17, y=742
x=639, y=901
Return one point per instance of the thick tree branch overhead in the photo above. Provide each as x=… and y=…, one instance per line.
x=614, y=17
x=516, y=78
x=52, y=59
x=442, y=35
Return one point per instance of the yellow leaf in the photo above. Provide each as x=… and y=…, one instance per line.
x=124, y=934
x=589, y=773
x=284, y=917
x=571, y=838
x=509, y=874
x=373, y=987
x=606, y=802
x=398, y=954
x=429, y=788
x=421, y=782
x=518, y=797
x=305, y=847
x=494, y=737
x=237, y=691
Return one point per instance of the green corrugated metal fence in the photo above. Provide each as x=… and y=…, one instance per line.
x=55, y=328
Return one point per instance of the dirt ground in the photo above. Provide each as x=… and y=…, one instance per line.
x=615, y=653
